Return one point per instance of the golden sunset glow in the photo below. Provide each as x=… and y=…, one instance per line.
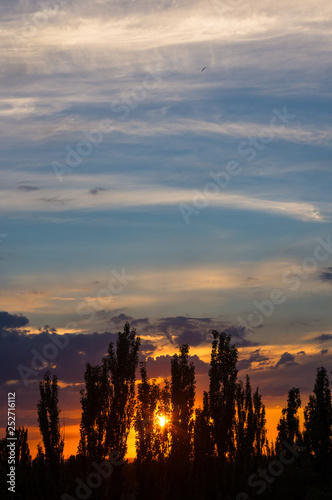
x=161, y=420
x=165, y=249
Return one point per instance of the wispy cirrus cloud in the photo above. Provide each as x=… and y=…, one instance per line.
x=127, y=194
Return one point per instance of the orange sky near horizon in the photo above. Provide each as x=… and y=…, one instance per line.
x=274, y=404
x=72, y=434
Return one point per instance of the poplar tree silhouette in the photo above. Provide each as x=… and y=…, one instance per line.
x=203, y=443
x=22, y=447
x=245, y=424
x=222, y=393
x=183, y=400
x=49, y=422
x=289, y=424
x=202, y=479
x=121, y=363
x=318, y=419
x=22, y=450
x=108, y=400
x=152, y=439
x=49, y=425
x=95, y=401
x=147, y=401
x=183, y=386
x=259, y=424
x=163, y=439
x=178, y=456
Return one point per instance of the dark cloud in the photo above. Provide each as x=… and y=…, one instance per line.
x=69, y=400
x=255, y=357
x=277, y=382
x=177, y=325
x=201, y=368
x=8, y=320
x=32, y=354
x=27, y=188
x=239, y=336
x=196, y=331
x=147, y=347
x=26, y=356
x=325, y=337
x=326, y=275
x=179, y=330
x=96, y=190
x=287, y=360
x=193, y=338
x=278, y=390
x=121, y=319
x=324, y=351
x=139, y=323
x=159, y=367
x=47, y=329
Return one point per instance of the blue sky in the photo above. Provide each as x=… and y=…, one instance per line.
x=126, y=79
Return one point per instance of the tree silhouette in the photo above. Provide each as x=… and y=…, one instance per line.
x=289, y=424
x=318, y=418
x=183, y=401
x=147, y=401
x=152, y=438
x=22, y=447
x=259, y=419
x=216, y=451
x=203, y=443
x=245, y=422
x=48, y=418
x=222, y=393
x=95, y=401
x=121, y=364
x=49, y=425
x=163, y=436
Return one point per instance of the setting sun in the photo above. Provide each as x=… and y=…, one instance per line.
x=161, y=420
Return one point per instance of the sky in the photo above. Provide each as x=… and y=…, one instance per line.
x=168, y=164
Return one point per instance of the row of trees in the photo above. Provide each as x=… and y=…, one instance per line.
x=181, y=451
x=232, y=419
x=317, y=432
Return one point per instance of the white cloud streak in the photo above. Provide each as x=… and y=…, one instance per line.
x=121, y=192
